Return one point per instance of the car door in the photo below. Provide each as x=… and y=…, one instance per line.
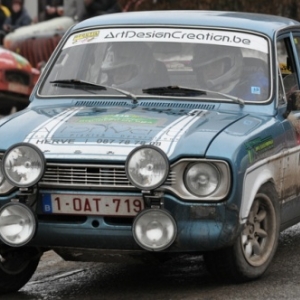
x=288, y=48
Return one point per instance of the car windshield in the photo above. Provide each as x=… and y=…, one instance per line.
x=152, y=61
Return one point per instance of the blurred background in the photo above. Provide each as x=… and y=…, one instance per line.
x=288, y=8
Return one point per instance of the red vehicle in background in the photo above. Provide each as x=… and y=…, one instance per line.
x=23, y=54
x=36, y=42
x=17, y=79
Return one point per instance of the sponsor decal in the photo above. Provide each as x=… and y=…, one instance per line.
x=85, y=37
x=197, y=36
x=46, y=130
x=119, y=140
x=257, y=147
x=118, y=119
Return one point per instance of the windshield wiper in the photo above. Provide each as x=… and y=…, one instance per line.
x=82, y=83
x=182, y=90
x=233, y=98
x=173, y=90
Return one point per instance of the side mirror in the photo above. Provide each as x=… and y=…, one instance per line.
x=293, y=103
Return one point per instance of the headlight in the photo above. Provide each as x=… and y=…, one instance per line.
x=154, y=229
x=147, y=167
x=202, y=179
x=23, y=165
x=17, y=224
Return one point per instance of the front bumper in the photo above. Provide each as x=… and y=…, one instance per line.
x=200, y=227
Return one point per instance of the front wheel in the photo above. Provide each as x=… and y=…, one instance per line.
x=254, y=249
x=17, y=265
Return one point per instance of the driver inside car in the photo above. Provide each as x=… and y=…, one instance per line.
x=223, y=69
x=129, y=66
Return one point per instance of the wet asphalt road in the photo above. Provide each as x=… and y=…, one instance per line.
x=184, y=278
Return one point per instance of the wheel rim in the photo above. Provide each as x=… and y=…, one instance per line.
x=259, y=234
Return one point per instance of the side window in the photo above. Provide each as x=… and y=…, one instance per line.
x=297, y=45
x=287, y=67
x=282, y=100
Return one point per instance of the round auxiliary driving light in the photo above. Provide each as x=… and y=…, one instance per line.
x=17, y=224
x=154, y=229
x=147, y=167
x=23, y=165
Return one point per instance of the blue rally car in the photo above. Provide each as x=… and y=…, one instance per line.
x=153, y=134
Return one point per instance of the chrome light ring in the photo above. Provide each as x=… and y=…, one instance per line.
x=23, y=165
x=147, y=167
x=202, y=178
x=5, y=186
x=18, y=224
x=154, y=229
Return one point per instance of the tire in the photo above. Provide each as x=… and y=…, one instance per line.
x=253, y=251
x=16, y=268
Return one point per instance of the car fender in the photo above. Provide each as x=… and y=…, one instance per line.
x=265, y=170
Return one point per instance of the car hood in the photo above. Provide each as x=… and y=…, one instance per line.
x=110, y=133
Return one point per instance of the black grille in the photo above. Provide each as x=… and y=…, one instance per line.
x=17, y=77
x=88, y=176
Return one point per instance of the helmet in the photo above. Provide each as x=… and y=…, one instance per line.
x=128, y=65
x=217, y=67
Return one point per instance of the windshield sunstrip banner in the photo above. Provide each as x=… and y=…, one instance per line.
x=215, y=37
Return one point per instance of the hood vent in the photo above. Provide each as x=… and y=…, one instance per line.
x=157, y=104
x=181, y=105
x=91, y=103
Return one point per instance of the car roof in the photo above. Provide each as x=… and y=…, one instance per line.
x=263, y=23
